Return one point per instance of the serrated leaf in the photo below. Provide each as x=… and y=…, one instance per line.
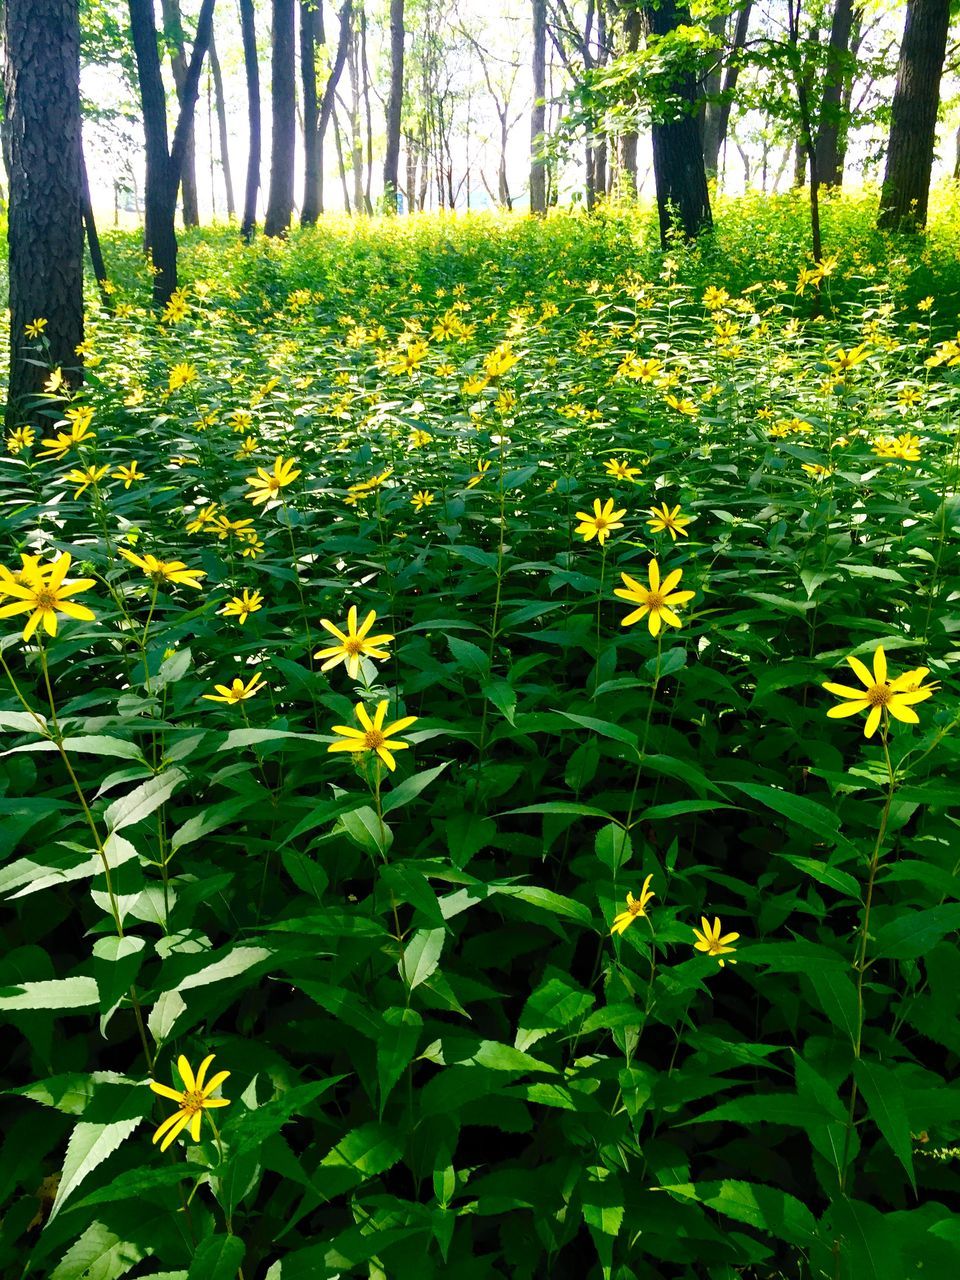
x=782, y=1215
x=143, y=800
x=98, y=1254
x=217, y=1258
x=885, y=1100
x=55, y=993
x=421, y=956
x=410, y=788
x=396, y=1046
x=110, y=1118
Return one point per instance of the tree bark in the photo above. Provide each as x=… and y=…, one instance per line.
x=913, y=123
x=391, y=160
x=538, y=113
x=310, y=211
x=678, y=168
x=716, y=115
x=164, y=165
x=173, y=37
x=283, y=97
x=45, y=228
x=93, y=236
x=311, y=35
x=832, y=124
x=252, y=69
x=221, y=109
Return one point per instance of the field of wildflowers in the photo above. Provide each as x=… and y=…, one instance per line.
x=479, y=713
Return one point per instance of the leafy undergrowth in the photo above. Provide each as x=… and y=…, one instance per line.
x=546, y=923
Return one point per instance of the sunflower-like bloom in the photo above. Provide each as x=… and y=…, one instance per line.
x=267, y=484
x=352, y=643
x=43, y=591
x=620, y=470
x=669, y=521
x=83, y=477
x=193, y=1099
x=657, y=602
x=128, y=474
x=635, y=907
x=710, y=940
x=375, y=735
x=241, y=607
x=236, y=691
x=601, y=524
x=164, y=570
x=879, y=694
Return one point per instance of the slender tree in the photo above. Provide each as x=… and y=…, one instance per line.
x=716, y=113
x=312, y=209
x=678, y=168
x=832, y=125
x=164, y=162
x=391, y=160
x=174, y=40
x=913, y=123
x=538, y=113
x=45, y=229
x=283, y=98
x=311, y=35
x=252, y=68
x=221, y=108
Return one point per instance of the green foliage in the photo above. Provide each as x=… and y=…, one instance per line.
x=444, y=1059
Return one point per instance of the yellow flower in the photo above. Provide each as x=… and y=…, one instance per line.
x=205, y=515
x=601, y=524
x=241, y=607
x=236, y=691
x=685, y=405
x=374, y=735
x=843, y=361
x=181, y=375
x=267, y=484
x=241, y=419
x=419, y=438
x=20, y=438
x=85, y=476
x=925, y=304
x=816, y=469
x=659, y=600
x=671, y=521
x=474, y=385
x=632, y=366
x=880, y=695
x=195, y=1098
x=164, y=570
x=422, y=498
x=249, y=447
x=35, y=327
x=128, y=474
x=254, y=547
x=352, y=644
x=176, y=308
x=482, y=469
x=620, y=470
x=44, y=593
x=714, y=298
x=409, y=361
x=499, y=361
x=711, y=942
x=635, y=907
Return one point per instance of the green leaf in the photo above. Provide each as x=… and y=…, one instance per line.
x=469, y=657
x=421, y=956
x=113, y=1114
x=563, y=806
x=884, y=1097
x=832, y=877
x=56, y=993
x=143, y=800
x=837, y=994
x=217, y=1258
x=396, y=1046
x=913, y=933
x=116, y=963
x=806, y=814
x=503, y=697
x=366, y=830
x=366, y=1151
x=783, y=1216
x=98, y=1254
x=410, y=788
x=546, y=900
x=605, y=729
x=248, y=1130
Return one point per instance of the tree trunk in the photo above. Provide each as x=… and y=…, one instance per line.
x=311, y=35
x=391, y=160
x=913, y=123
x=252, y=69
x=164, y=165
x=340, y=165
x=856, y=40
x=627, y=178
x=538, y=113
x=45, y=229
x=93, y=237
x=832, y=124
x=173, y=37
x=311, y=211
x=678, y=169
x=356, y=141
x=368, y=115
x=283, y=98
x=221, y=108
x=716, y=116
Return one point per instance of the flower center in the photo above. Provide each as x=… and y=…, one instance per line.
x=273, y=484
x=636, y=908
x=714, y=946
x=192, y=1101
x=353, y=645
x=46, y=600
x=879, y=695
x=654, y=600
x=373, y=739
x=600, y=522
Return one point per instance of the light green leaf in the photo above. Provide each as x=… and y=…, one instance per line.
x=884, y=1097
x=783, y=1216
x=410, y=788
x=113, y=1114
x=55, y=993
x=421, y=956
x=98, y=1254
x=807, y=814
x=143, y=800
x=217, y=1258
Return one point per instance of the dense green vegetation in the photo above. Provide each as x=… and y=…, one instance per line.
x=454, y=1049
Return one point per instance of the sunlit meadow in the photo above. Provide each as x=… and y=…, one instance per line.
x=479, y=709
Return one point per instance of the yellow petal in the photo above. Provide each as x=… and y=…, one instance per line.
x=186, y=1074
x=880, y=665
x=165, y=1091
